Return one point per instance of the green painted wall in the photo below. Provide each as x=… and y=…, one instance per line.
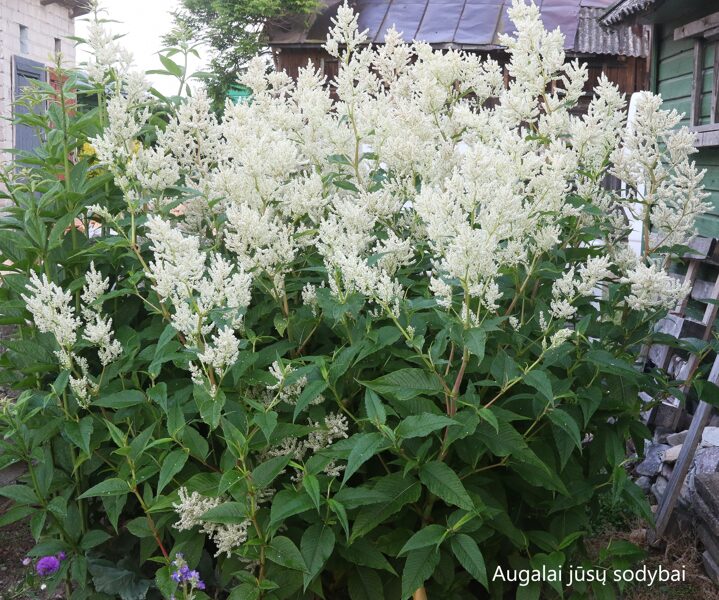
x=674, y=82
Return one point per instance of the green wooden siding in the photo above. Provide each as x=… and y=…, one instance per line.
x=674, y=75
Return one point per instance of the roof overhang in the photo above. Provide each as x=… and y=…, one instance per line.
x=650, y=12
x=471, y=25
x=77, y=8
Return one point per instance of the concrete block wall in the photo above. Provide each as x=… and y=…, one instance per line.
x=45, y=24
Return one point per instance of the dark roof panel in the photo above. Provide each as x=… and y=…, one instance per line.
x=440, y=21
x=371, y=16
x=474, y=24
x=478, y=25
x=565, y=16
x=405, y=16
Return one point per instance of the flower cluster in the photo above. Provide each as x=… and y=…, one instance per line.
x=188, y=578
x=54, y=312
x=334, y=427
x=48, y=565
x=192, y=507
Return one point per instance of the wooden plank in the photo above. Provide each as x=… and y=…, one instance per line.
x=711, y=34
x=698, y=27
x=697, y=83
x=715, y=87
x=707, y=139
x=676, y=66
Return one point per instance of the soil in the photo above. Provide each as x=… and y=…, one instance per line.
x=680, y=551
x=16, y=542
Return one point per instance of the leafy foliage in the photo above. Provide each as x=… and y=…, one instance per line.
x=234, y=30
x=346, y=448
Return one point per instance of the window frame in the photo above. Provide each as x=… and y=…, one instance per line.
x=704, y=32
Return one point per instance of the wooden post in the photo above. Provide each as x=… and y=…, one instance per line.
x=697, y=83
x=420, y=594
x=686, y=456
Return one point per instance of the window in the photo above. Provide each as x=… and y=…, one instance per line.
x=24, y=40
x=58, y=46
x=704, y=107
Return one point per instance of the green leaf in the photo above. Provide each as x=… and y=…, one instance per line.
x=431, y=535
x=16, y=513
x=406, y=384
x=341, y=513
x=282, y=551
x=172, y=67
x=139, y=443
x=287, y=503
x=245, y=591
x=566, y=423
x=110, y=487
x=365, y=553
x=264, y=473
x=365, y=584
x=474, y=340
x=266, y=422
x=115, y=581
x=79, y=433
x=418, y=568
x=422, y=425
x=161, y=351
x=317, y=544
x=312, y=486
x=540, y=382
x=57, y=233
x=21, y=494
x=364, y=447
x=444, y=483
x=374, y=407
x=164, y=582
x=311, y=391
x=171, y=466
x=210, y=407
x=93, y=538
x=123, y=399
x=486, y=414
x=470, y=557
x=226, y=513
x=396, y=491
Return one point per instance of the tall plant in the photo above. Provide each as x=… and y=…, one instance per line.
x=380, y=346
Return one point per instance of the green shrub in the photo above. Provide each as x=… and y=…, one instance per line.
x=320, y=349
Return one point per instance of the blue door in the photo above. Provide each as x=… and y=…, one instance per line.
x=26, y=71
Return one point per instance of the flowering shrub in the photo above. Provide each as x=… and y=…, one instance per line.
x=363, y=347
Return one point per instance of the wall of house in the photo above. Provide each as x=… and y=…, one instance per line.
x=44, y=25
x=673, y=76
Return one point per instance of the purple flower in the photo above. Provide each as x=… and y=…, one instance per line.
x=47, y=565
x=61, y=555
x=185, y=575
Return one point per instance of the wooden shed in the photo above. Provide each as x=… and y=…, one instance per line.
x=474, y=26
x=685, y=71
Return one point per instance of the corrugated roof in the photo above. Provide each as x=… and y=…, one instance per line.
x=468, y=24
x=595, y=38
x=625, y=8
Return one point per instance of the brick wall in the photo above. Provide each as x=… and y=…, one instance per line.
x=45, y=24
